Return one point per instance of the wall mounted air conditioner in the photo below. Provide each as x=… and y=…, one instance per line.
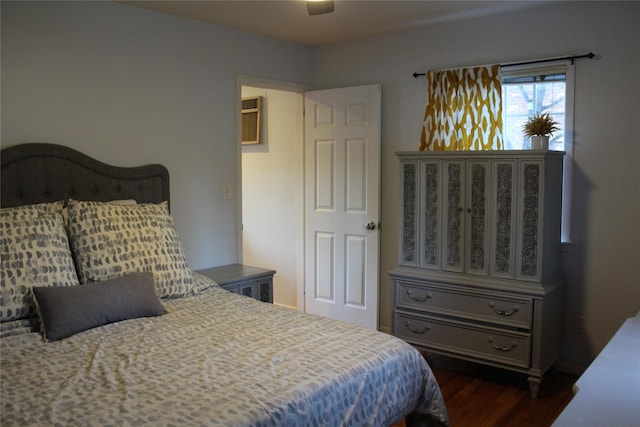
x=252, y=120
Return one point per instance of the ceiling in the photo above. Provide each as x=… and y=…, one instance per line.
x=352, y=19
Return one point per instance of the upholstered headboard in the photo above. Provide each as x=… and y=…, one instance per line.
x=39, y=172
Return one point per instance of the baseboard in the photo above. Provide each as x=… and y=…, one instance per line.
x=290, y=307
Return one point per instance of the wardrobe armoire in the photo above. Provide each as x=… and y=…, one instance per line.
x=478, y=275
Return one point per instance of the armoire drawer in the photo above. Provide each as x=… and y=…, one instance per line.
x=485, y=343
x=501, y=310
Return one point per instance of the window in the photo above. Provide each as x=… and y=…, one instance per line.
x=541, y=88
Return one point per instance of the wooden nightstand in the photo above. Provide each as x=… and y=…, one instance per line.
x=254, y=282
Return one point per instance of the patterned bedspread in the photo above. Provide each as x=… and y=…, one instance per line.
x=217, y=359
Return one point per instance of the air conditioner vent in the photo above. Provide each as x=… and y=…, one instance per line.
x=252, y=120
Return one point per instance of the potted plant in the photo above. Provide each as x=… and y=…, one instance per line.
x=539, y=128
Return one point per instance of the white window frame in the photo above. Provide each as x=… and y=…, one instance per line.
x=568, y=68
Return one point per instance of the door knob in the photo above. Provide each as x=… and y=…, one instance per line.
x=370, y=226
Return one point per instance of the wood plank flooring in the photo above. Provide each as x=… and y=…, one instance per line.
x=480, y=396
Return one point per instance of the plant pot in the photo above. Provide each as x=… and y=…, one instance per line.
x=540, y=142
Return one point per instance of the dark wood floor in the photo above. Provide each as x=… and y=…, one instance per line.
x=480, y=396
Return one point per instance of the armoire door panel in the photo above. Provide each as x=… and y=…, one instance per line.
x=453, y=212
x=409, y=214
x=529, y=230
x=504, y=219
x=478, y=173
x=431, y=201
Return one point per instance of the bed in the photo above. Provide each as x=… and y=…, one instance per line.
x=104, y=323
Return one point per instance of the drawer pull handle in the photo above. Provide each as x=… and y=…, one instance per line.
x=513, y=311
x=418, y=299
x=417, y=331
x=498, y=348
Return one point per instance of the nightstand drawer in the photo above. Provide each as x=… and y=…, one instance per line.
x=496, y=309
x=253, y=282
x=465, y=339
x=262, y=290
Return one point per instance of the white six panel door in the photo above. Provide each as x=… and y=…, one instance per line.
x=342, y=188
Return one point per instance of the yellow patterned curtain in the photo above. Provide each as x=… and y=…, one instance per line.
x=464, y=110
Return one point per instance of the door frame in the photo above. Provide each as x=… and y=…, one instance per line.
x=255, y=81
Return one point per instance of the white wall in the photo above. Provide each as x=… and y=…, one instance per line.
x=601, y=263
x=131, y=86
x=272, y=194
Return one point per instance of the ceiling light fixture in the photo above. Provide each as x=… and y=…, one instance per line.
x=319, y=7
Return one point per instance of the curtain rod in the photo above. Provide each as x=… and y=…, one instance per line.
x=538, y=61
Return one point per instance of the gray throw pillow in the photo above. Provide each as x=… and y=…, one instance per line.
x=66, y=311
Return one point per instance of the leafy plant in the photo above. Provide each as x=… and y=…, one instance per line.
x=540, y=124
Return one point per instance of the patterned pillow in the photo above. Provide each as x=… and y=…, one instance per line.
x=65, y=211
x=111, y=240
x=203, y=282
x=31, y=211
x=34, y=252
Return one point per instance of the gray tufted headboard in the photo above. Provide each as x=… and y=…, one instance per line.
x=38, y=172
